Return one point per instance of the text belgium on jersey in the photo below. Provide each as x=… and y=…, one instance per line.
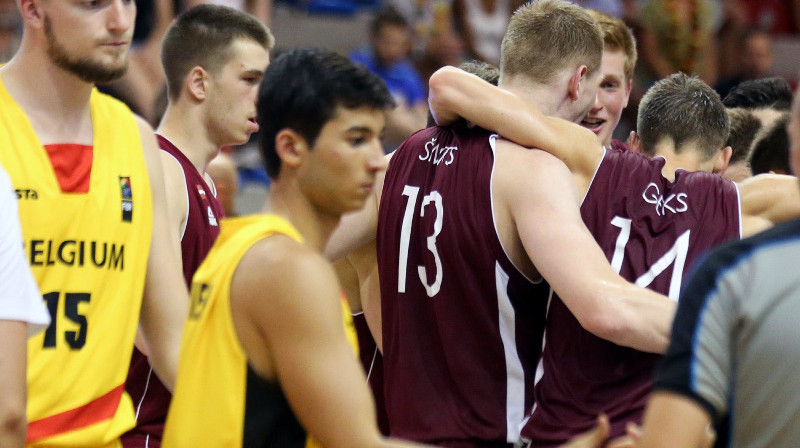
x=76, y=253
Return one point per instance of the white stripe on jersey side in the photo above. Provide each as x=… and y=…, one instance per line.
x=597, y=168
x=186, y=190
x=515, y=375
x=144, y=393
x=492, y=144
x=739, y=201
x=372, y=363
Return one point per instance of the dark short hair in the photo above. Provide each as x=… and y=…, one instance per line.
x=302, y=89
x=771, y=151
x=387, y=16
x=686, y=110
x=773, y=93
x=744, y=127
x=483, y=70
x=202, y=36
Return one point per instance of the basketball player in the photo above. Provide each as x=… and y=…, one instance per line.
x=90, y=183
x=732, y=354
x=485, y=318
x=264, y=357
x=214, y=58
x=650, y=216
x=22, y=314
x=619, y=60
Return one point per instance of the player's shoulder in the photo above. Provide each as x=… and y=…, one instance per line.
x=279, y=259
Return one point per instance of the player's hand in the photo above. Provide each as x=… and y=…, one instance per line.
x=633, y=433
x=592, y=438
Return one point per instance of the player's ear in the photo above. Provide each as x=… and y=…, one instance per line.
x=723, y=159
x=577, y=82
x=197, y=82
x=31, y=12
x=635, y=143
x=291, y=148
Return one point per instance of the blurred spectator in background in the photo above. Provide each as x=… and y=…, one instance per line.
x=444, y=47
x=773, y=16
x=425, y=17
x=387, y=57
x=679, y=36
x=755, y=60
x=614, y=8
x=10, y=29
x=744, y=127
x=771, y=149
x=483, y=24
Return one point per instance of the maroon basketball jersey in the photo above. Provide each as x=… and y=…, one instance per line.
x=461, y=325
x=651, y=230
x=150, y=397
x=617, y=144
x=372, y=362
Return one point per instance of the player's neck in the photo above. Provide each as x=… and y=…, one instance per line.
x=686, y=159
x=55, y=101
x=541, y=97
x=286, y=200
x=187, y=132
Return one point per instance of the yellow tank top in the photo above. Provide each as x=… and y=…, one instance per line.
x=88, y=252
x=208, y=407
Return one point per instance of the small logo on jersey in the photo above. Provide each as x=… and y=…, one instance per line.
x=674, y=203
x=200, y=294
x=23, y=193
x=435, y=154
x=211, y=218
x=127, y=198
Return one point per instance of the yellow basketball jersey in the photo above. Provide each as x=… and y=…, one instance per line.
x=208, y=407
x=88, y=252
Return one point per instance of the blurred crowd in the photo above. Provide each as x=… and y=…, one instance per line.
x=725, y=42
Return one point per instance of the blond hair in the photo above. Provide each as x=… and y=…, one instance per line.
x=617, y=37
x=545, y=37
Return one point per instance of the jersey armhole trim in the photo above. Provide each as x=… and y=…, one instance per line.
x=493, y=145
x=185, y=191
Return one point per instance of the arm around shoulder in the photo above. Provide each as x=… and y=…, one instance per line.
x=566, y=254
x=768, y=199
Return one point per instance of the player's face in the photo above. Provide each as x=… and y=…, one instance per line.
x=232, y=94
x=612, y=97
x=89, y=38
x=346, y=158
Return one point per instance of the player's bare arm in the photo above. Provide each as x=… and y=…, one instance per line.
x=13, y=359
x=543, y=202
x=286, y=308
x=674, y=420
x=175, y=195
x=456, y=94
x=768, y=199
x=166, y=301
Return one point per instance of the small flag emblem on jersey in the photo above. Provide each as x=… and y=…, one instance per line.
x=127, y=198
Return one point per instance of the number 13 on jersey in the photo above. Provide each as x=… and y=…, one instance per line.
x=435, y=200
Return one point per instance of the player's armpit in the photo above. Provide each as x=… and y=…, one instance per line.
x=455, y=94
x=771, y=198
x=675, y=420
x=544, y=204
x=292, y=296
x=166, y=301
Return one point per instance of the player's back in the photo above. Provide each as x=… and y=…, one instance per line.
x=651, y=230
x=461, y=325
